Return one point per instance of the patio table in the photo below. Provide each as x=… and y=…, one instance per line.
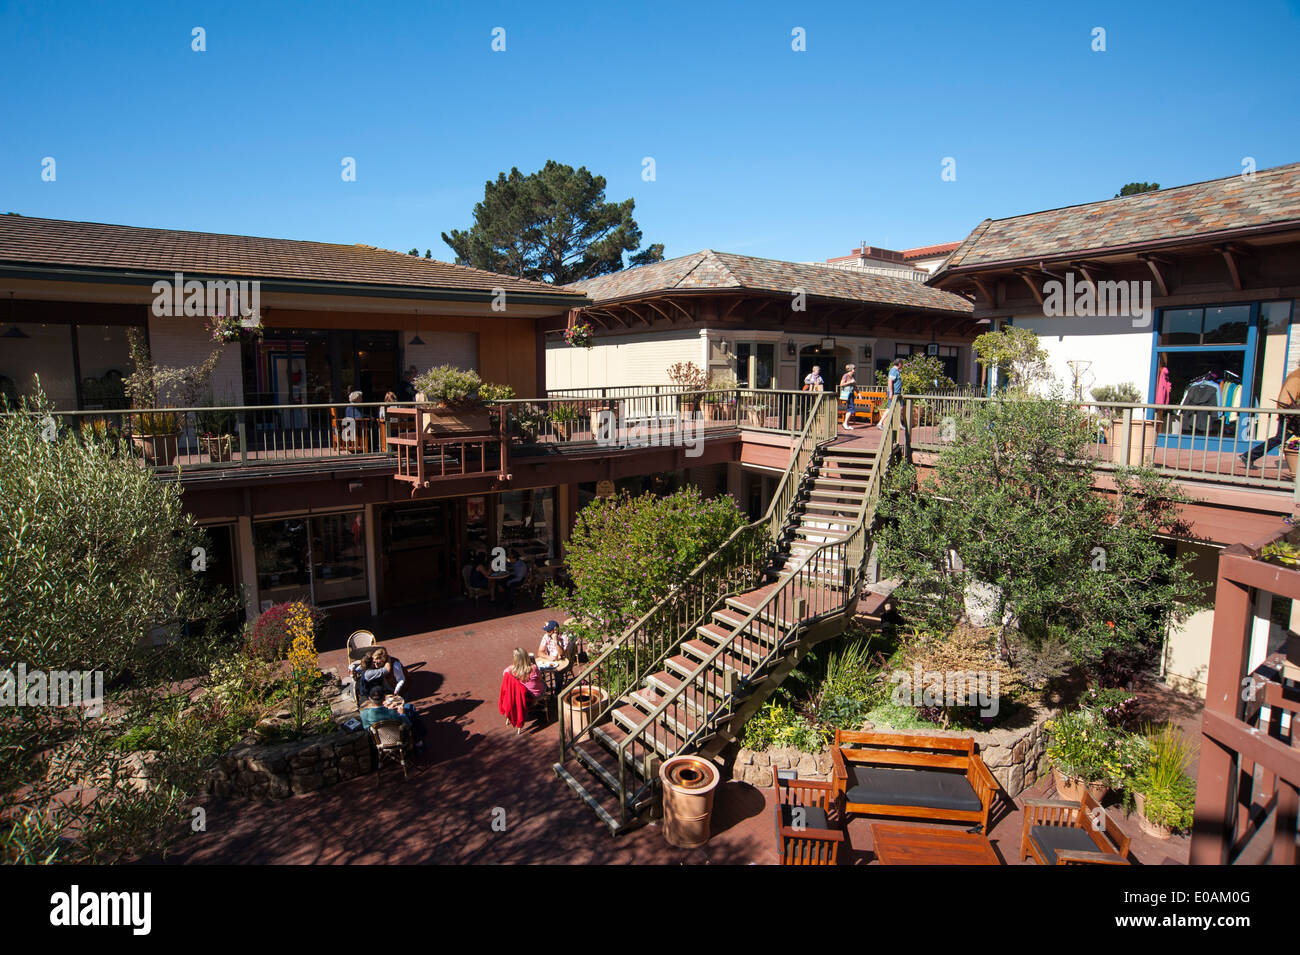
x=896, y=844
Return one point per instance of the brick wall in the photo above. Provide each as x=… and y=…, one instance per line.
x=178, y=342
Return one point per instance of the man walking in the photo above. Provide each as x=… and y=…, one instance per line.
x=894, y=389
x=1287, y=398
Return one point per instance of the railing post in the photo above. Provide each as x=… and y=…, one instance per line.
x=1127, y=437
x=243, y=442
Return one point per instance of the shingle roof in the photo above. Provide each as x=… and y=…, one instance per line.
x=723, y=271
x=56, y=242
x=1271, y=197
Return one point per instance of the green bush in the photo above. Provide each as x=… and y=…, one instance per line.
x=450, y=386
x=1127, y=393
x=777, y=725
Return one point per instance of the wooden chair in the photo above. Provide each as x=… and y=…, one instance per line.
x=359, y=640
x=392, y=742
x=804, y=832
x=359, y=443
x=917, y=777
x=1061, y=832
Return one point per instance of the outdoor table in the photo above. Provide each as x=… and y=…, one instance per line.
x=551, y=674
x=896, y=844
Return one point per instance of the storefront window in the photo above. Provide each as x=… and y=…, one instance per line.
x=764, y=356
x=313, y=366
x=319, y=559
x=105, y=359
x=28, y=350
x=526, y=522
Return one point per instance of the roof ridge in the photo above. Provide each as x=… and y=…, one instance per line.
x=1144, y=195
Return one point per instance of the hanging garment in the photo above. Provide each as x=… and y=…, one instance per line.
x=1201, y=392
x=1164, y=387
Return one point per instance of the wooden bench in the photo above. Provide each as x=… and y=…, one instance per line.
x=916, y=777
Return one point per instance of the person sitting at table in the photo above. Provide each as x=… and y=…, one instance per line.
x=381, y=667
x=373, y=711
x=518, y=570
x=481, y=575
x=352, y=411
x=524, y=669
x=554, y=645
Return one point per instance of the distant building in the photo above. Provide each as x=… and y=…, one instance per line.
x=917, y=264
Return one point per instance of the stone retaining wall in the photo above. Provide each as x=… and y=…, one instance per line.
x=1015, y=755
x=276, y=771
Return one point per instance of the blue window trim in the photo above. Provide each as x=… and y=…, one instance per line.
x=1249, y=348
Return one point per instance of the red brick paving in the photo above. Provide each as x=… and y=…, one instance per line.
x=475, y=765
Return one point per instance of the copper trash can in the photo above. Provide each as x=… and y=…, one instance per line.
x=688, y=786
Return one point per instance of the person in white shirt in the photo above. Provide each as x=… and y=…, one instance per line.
x=814, y=380
x=554, y=645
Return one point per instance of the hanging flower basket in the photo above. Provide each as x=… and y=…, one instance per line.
x=230, y=328
x=579, y=336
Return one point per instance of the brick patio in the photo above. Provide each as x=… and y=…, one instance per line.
x=475, y=764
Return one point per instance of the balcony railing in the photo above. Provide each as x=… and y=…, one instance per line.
x=1221, y=445
x=186, y=441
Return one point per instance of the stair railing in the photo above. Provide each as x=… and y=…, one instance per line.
x=801, y=597
x=737, y=565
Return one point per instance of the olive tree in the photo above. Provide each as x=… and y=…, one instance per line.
x=100, y=573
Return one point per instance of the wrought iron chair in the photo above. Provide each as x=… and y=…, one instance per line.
x=805, y=833
x=472, y=592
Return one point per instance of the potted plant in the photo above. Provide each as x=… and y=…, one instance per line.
x=451, y=400
x=690, y=378
x=1165, y=795
x=1142, y=431
x=720, y=396
x=1291, y=451
x=230, y=328
x=579, y=336
x=101, y=431
x=1078, y=751
x=157, y=435
x=564, y=418
x=1281, y=552
x=217, y=433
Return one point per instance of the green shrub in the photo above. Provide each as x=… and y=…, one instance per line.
x=1127, y=393
x=777, y=725
x=450, y=386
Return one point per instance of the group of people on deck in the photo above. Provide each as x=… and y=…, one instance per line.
x=849, y=383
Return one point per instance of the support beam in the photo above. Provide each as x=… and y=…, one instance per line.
x=1155, y=264
x=1035, y=288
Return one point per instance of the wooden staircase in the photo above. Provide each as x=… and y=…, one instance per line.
x=697, y=693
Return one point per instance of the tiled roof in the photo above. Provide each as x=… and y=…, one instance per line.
x=1271, y=197
x=926, y=251
x=723, y=271
x=55, y=242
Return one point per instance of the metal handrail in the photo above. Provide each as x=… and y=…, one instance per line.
x=796, y=579
x=822, y=417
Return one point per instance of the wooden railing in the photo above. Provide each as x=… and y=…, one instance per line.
x=1248, y=781
x=827, y=582
x=736, y=566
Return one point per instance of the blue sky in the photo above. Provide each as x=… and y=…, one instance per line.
x=758, y=149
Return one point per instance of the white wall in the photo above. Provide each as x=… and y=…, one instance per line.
x=638, y=359
x=1115, y=351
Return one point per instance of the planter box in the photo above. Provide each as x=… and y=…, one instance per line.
x=448, y=421
x=1141, y=441
x=158, y=449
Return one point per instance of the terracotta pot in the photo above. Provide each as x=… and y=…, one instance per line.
x=710, y=411
x=1072, y=787
x=1291, y=457
x=218, y=447
x=688, y=786
x=1141, y=441
x=1154, y=830
x=688, y=407
x=598, y=419
x=580, y=706
x=158, y=449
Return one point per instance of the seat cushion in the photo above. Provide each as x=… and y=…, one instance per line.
x=814, y=817
x=1053, y=839
x=926, y=788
